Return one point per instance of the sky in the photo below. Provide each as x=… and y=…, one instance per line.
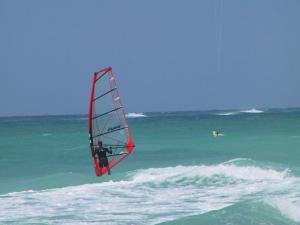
x=167, y=55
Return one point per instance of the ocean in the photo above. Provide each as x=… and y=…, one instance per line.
x=178, y=172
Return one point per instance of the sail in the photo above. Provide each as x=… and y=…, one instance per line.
x=107, y=121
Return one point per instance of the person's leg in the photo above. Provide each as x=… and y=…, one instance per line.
x=100, y=165
x=106, y=164
x=108, y=169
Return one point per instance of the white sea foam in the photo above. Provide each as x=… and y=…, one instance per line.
x=237, y=160
x=232, y=113
x=252, y=111
x=135, y=115
x=149, y=196
x=227, y=113
x=288, y=206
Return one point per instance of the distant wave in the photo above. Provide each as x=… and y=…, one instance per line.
x=73, y=118
x=232, y=113
x=228, y=113
x=135, y=115
x=155, y=195
x=252, y=111
x=238, y=160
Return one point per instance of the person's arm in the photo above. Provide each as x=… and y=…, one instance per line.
x=108, y=150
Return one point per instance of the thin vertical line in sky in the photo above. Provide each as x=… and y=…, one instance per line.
x=219, y=30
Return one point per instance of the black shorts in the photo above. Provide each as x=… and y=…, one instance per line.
x=103, y=162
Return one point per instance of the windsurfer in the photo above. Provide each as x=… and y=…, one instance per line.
x=215, y=133
x=102, y=157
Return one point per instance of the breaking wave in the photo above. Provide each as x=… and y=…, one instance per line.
x=252, y=111
x=135, y=115
x=228, y=113
x=232, y=113
x=155, y=195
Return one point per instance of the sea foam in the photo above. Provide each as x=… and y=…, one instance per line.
x=288, y=206
x=252, y=111
x=135, y=115
x=232, y=113
x=227, y=113
x=147, y=196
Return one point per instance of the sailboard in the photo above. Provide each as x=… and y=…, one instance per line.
x=107, y=121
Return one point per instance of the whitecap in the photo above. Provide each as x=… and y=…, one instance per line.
x=252, y=111
x=289, y=205
x=149, y=196
x=227, y=113
x=135, y=115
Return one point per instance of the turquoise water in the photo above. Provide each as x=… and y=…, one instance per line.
x=177, y=174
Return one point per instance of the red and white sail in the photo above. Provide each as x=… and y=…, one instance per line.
x=106, y=119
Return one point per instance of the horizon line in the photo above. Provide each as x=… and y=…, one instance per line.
x=172, y=111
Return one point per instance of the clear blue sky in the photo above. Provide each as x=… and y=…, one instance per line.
x=167, y=55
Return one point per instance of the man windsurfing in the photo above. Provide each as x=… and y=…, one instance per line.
x=102, y=157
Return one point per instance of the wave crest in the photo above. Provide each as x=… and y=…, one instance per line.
x=252, y=111
x=232, y=113
x=135, y=115
x=148, y=196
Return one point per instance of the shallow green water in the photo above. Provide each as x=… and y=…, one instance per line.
x=177, y=174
